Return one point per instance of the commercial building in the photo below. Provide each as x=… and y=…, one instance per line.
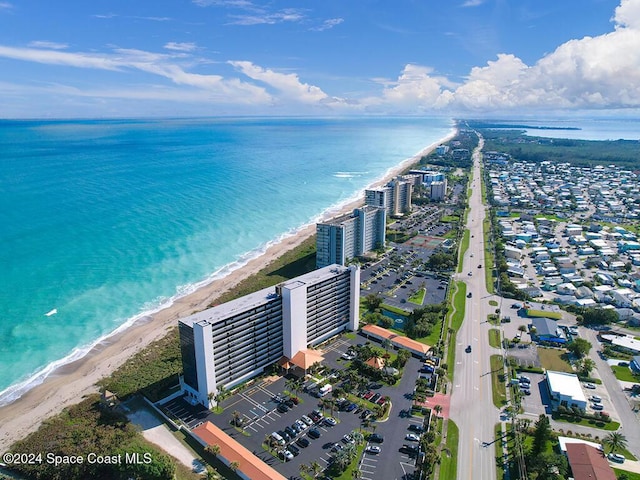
x=349, y=236
x=230, y=343
x=438, y=190
x=565, y=390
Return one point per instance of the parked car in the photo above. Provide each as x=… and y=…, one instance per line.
x=289, y=403
x=337, y=447
x=526, y=391
x=348, y=439
x=616, y=457
x=282, y=408
x=596, y=399
x=373, y=449
x=412, y=437
x=375, y=398
x=590, y=386
x=286, y=455
x=293, y=449
x=351, y=407
x=410, y=449
x=597, y=406
x=376, y=438
x=330, y=421
x=290, y=431
x=302, y=442
x=314, y=433
x=524, y=379
x=416, y=428
x=284, y=435
x=307, y=420
x=301, y=425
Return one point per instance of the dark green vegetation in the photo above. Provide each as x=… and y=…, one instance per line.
x=423, y=321
x=89, y=427
x=623, y=153
x=467, y=140
x=293, y=263
x=151, y=371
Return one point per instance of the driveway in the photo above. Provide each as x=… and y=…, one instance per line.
x=155, y=431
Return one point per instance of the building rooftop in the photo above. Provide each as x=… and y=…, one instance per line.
x=261, y=297
x=396, y=339
x=566, y=384
x=588, y=463
x=248, y=464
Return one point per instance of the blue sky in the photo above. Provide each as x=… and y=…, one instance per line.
x=224, y=57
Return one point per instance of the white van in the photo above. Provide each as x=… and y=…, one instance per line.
x=325, y=390
x=278, y=438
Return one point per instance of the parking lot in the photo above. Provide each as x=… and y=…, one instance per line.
x=257, y=406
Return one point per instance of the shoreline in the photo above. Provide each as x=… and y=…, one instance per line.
x=68, y=383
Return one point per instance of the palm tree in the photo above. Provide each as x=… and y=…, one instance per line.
x=358, y=437
x=234, y=466
x=386, y=344
x=316, y=469
x=236, y=418
x=438, y=409
x=615, y=441
x=212, y=449
x=221, y=395
x=304, y=468
x=356, y=474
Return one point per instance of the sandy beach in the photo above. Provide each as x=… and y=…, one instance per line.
x=70, y=383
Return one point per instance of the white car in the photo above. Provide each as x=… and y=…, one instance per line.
x=330, y=421
x=596, y=399
x=412, y=437
x=616, y=457
x=307, y=420
x=348, y=356
x=287, y=455
x=590, y=386
x=373, y=449
x=597, y=406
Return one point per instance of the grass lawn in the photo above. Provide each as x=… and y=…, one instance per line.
x=449, y=463
x=418, y=297
x=553, y=359
x=454, y=321
x=449, y=218
x=497, y=434
x=348, y=473
x=464, y=246
x=610, y=427
x=499, y=388
x=488, y=256
x=624, y=374
x=493, y=303
x=544, y=313
x=395, y=310
x=630, y=475
x=494, y=337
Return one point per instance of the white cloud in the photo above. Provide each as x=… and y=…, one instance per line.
x=163, y=65
x=47, y=44
x=472, y=3
x=180, y=46
x=5, y=6
x=287, y=84
x=260, y=18
x=627, y=14
x=328, y=24
x=225, y=3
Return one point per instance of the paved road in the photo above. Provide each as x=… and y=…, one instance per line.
x=471, y=402
x=630, y=426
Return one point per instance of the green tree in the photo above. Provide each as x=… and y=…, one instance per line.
x=402, y=357
x=586, y=366
x=386, y=322
x=615, y=441
x=599, y=316
x=541, y=435
x=373, y=302
x=579, y=347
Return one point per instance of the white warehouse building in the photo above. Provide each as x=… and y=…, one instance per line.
x=565, y=390
x=230, y=343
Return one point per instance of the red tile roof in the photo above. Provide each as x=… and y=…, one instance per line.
x=250, y=465
x=397, y=340
x=588, y=463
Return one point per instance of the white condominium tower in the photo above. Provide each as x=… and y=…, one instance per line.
x=348, y=236
x=394, y=197
x=232, y=342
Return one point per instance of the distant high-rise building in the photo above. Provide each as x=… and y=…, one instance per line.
x=395, y=197
x=350, y=236
x=442, y=149
x=438, y=190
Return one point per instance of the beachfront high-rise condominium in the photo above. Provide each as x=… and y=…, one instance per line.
x=348, y=236
x=225, y=345
x=394, y=197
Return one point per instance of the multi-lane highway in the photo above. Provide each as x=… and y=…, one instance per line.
x=471, y=401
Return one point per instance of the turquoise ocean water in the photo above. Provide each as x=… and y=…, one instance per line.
x=106, y=221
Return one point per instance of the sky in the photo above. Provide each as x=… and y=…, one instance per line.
x=123, y=58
